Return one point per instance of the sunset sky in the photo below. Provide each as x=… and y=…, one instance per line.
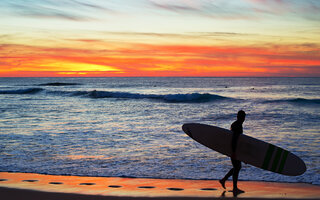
x=49, y=38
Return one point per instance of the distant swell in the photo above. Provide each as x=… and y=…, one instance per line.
x=295, y=101
x=179, y=98
x=58, y=84
x=22, y=91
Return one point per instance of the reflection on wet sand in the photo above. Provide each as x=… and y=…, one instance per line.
x=141, y=187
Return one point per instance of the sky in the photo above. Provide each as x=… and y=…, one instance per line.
x=124, y=38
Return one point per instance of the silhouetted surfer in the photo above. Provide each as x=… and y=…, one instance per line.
x=237, y=130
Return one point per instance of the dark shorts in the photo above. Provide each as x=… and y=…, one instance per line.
x=236, y=164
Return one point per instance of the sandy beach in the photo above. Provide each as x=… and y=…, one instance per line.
x=38, y=186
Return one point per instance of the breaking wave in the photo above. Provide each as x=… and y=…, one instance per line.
x=170, y=98
x=178, y=98
x=173, y=98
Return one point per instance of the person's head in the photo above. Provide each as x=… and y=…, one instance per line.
x=241, y=116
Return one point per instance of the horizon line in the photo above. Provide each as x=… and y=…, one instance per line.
x=160, y=77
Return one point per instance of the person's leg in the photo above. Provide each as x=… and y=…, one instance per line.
x=223, y=181
x=237, y=166
x=230, y=173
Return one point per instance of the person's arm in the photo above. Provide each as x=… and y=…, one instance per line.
x=234, y=141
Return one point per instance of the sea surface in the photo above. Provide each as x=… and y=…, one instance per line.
x=131, y=127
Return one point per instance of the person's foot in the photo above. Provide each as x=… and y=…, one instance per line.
x=237, y=191
x=222, y=182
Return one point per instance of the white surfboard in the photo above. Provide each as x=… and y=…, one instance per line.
x=249, y=150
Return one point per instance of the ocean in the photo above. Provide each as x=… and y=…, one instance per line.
x=131, y=127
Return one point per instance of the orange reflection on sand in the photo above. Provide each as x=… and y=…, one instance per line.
x=141, y=187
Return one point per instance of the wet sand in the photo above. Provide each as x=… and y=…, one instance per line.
x=37, y=186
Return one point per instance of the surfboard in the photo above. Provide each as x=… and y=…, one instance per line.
x=249, y=150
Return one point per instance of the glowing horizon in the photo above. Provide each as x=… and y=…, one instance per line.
x=159, y=38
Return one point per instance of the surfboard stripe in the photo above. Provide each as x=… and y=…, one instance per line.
x=283, y=160
x=276, y=159
x=268, y=156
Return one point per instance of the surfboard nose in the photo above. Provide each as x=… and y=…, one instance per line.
x=185, y=128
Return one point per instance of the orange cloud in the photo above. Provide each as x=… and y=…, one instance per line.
x=160, y=60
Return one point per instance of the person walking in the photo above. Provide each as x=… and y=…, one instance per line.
x=237, y=130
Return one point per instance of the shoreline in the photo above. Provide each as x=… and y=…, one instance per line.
x=18, y=194
x=40, y=186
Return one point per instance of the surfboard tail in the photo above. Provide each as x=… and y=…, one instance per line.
x=283, y=162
